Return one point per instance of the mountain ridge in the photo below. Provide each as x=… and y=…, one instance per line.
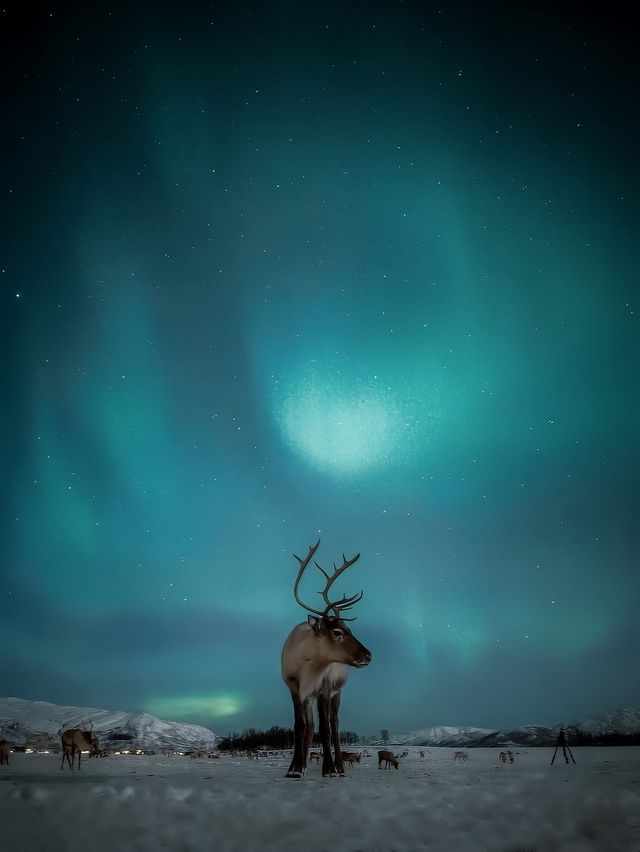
x=624, y=723
x=24, y=723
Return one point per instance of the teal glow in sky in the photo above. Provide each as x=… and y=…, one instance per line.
x=338, y=428
x=360, y=272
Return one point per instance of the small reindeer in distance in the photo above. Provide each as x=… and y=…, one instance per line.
x=390, y=759
x=315, y=660
x=75, y=741
x=506, y=757
x=351, y=757
x=461, y=756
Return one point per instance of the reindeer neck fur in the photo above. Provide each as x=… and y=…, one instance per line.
x=325, y=681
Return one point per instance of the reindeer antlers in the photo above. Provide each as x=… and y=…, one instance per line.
x=345, y=603
x=337, y=606
x=303, y=565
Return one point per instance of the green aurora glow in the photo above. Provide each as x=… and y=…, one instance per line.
x=362, y=273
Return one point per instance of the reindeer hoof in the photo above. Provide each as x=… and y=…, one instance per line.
x=294, y=773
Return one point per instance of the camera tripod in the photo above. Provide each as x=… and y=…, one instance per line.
x=564, y=744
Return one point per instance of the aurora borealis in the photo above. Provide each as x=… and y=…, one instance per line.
x=363, y=272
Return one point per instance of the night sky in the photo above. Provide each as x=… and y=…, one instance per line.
x=358, y=271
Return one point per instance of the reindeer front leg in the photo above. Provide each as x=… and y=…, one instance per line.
x=302, y=731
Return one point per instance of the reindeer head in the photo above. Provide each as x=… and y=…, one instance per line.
x=340, y=645
x=330, y=630
x=87, y=733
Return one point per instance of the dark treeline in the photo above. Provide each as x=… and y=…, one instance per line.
x=282, y=738
x=275, y=738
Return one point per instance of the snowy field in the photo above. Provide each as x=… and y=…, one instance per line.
x=128, y=803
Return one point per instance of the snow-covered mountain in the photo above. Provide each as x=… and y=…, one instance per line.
x=442, y=735
x=624, y=722
x=38, y=723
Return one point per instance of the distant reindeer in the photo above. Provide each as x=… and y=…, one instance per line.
x=390, y=759
x=506, y=756
x=5, y=750
x=315, y=658
x=75, y=741
x=351, y=757
x=461, y=756
x=315, y=755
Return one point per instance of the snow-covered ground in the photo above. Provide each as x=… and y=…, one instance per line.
x=179, y=804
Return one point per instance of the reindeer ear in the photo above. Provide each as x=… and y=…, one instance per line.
x=314, y=623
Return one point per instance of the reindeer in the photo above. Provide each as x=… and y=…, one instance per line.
x=96, y=751
x=351, y=757
x=75, y=741
x=5, y=749
x=316, y=755
x=315, y=658
x=461, y=755
x=390, y=759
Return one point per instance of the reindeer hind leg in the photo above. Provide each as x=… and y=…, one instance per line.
x=308, y=732
x=324, y=725
x=335, y=733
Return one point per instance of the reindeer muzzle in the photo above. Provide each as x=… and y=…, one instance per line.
x=363, y=660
